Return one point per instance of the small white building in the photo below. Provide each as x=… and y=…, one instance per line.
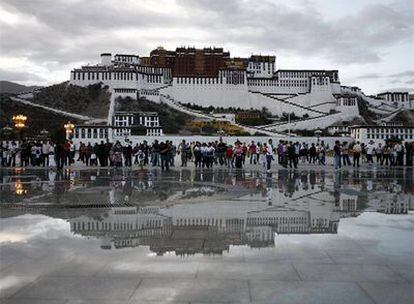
x=380, y=134
x=225, y=116
x=339, y=128
x=126, y=122
x=401, y=99
x=90, y=133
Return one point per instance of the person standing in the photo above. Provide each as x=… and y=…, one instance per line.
x=183, y=150
x=312, y=154
x=229, y=156
x=67, y=153
x=88, y=153
x=379, y=151
x=164, y=152
x=345, y=154
x=117, y=154
x=198, y=157
x=356, y=154
x=128, y=155
x=409, y=154
x=4, y=154
x=238, y=154
x=297, y=153
x=337, y=155
x=46, y=149
x=108, y=154
x=12, y=153
x=210, y=155
x=244, y=153
x=221, y=152
x=269, y=156
x=82, y=152
x=370, y=152
x=399, y=148
x=172, y=152
x=291, y=155
x=60, y=155
x=386, y=155
x=253, y=153
x=155, y=153
x=100, y=153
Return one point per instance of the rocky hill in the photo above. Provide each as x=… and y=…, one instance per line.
x=37, y=118
x=8, y=87
x=91, y=101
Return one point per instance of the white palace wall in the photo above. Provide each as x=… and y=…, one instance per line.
x=317, y=92
x=211, y=94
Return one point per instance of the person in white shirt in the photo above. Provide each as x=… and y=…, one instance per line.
x=45, y=153
x=269, y=156
x=370, y=152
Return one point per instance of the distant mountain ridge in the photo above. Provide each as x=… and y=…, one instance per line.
x=9, y=87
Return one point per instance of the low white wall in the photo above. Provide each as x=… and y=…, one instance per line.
x=176, y=139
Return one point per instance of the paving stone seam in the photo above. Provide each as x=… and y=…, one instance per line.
x=365, y=292
x=135, y=290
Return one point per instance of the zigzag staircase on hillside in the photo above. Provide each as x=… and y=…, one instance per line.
x=278, y=124
x=176, y=105
x=288, y=102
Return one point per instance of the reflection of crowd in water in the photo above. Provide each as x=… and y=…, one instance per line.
x=285, y=181
x=165, y=154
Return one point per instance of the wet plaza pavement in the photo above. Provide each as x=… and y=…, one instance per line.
x=214, y=236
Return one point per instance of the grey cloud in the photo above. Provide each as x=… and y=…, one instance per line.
x=370, y=76
x=72, y=31
x=403, y=74
x=400, y=89
x=19, y=76
x=75, y=17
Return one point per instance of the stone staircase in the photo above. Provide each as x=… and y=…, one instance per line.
x=178, y=106
x=292, y=104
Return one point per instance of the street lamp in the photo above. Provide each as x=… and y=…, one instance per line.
x=69, y=129
x=318, y=135
x=19, y=123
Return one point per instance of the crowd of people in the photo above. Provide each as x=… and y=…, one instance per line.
x=203, y=154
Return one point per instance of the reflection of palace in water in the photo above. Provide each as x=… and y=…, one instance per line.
x=204, y=212
x=203, y=227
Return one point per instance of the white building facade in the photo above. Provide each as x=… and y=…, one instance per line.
x=380, y=134
x=401, y=99
x=259, y=85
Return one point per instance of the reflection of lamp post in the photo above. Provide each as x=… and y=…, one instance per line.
x=318, y=135
x=69, y=129
x=18, y=188
x=19, y=123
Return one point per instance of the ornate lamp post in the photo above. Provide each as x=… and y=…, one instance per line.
x=19, y=123
x=69, y=129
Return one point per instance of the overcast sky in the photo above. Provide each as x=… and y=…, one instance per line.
x=370, y=42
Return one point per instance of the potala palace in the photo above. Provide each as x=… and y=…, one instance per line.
x=210, y=77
